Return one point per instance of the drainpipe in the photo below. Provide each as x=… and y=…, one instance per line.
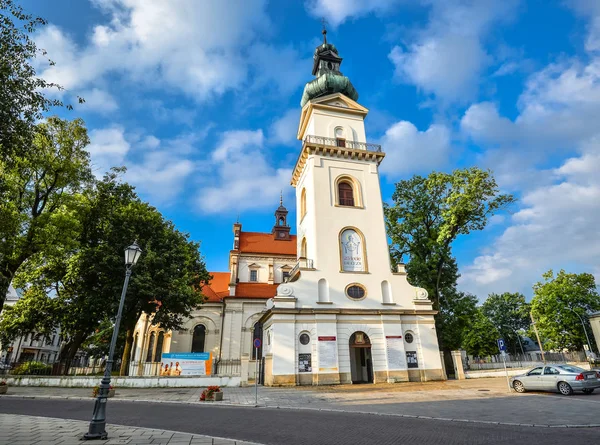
x=222, y=328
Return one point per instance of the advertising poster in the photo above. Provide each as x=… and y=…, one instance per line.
x=176, y=364
x=411, y=358
x=328, y=354
x=395, y=352
x=304, y=363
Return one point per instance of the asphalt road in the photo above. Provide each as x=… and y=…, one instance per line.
x=301, y=427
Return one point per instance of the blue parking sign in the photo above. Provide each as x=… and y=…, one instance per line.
x=501, y=345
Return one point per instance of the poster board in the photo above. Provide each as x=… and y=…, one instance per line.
x=175, y=364
x=328, y=353
x=304, y=363
x=395, y=352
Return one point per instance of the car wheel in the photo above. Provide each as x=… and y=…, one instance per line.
x=588, y=390
x=518, y=386
x=565, y=389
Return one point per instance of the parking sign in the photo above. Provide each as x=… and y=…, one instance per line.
x=501, y=345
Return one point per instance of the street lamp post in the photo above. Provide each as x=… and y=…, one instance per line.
x=97, y=429
x=583, y=326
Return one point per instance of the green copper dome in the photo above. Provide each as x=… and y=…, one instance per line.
x=329, y=78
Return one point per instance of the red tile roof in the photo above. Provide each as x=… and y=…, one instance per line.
x=258, y=242
x=255, y=290
x=218, y=287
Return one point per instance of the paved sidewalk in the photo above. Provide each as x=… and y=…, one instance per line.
x=30, y=430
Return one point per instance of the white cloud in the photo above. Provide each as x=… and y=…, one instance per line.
x=99, y=101
x=448, y=56
x=590, y=9
x=283, y=130
x=200, y=48
x=108, y=148
x=409, y=150
x=244, y=179
x=337, y=11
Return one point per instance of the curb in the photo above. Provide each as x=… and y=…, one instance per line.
x=333, y=410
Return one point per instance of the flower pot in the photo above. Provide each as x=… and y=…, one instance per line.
x=218, y=397
x=111, y=392
x=3, y=389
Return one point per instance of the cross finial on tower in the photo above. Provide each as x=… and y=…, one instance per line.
x=281, y=198
x=324, y=32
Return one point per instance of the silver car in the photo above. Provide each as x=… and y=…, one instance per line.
x=562, y=378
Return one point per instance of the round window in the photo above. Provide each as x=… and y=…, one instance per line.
x=304, y=339
x=408, y=337
x=355, y=291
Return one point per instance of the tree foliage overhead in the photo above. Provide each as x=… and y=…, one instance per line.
x=557, y=304
x=37, y=196
x=509, y=313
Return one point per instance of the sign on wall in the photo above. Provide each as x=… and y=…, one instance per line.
x=395, y=352
x=352, y=250
x=327, y=354
x=176, y=364
x=304, y=363
x=411, y=359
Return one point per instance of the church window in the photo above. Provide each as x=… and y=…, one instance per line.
x=352, y=251
x=254, y=275
x=303, y=248
x=159, y=347
x=345, y=194
x=198, y=338
x=304, y=339
x=150, y=353
x=302, y=204
x=356, y=291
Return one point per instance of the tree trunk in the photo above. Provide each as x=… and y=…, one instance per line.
x=126, y=353
x=73, y=346
x=5, y=280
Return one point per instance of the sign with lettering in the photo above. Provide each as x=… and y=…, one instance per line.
x=395, y=352
x=328, y=353
x=304, y=363
x=186, y=363
x=352, y=249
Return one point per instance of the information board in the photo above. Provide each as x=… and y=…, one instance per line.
x=176, y=364
x=304, y=363
x=395, y=352
x=411, y=359
x=328, y=354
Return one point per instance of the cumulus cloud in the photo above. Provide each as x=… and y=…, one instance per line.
x=99, y=101
x=283, y=130
x=244, y=179
x=448, y=55
x=200, y=48
x=337, y=11
x=409, y=150
x=108, y=148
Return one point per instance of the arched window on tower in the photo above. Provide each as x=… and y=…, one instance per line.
x=345, y=194
x=302, y=204
x=303, y=248
x=198, y=338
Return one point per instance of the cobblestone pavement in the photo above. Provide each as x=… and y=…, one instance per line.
x=484, y=400
x=32, y=430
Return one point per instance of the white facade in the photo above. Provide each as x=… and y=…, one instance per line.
x=396, y=318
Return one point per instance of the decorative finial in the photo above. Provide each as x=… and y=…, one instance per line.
x=324, y=32
x=281, y=198
x=237, y=221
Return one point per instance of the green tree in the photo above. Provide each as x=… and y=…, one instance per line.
x=87, y=279
x=555, y=304
x=509, y=313
x=428, y=214
x=37, y=196
x=480, y=339
x=22, y=95
x=454, y=319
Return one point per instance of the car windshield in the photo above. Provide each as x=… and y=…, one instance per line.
x=569, y=368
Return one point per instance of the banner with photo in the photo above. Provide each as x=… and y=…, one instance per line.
x=176, y=364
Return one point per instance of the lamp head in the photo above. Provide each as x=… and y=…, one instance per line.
x=132, y=254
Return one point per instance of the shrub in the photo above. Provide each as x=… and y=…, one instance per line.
x=96, y=390
x=33, y=368
x=209, y=393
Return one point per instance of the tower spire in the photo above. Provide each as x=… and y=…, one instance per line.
x=324, y=32
x=281, y=198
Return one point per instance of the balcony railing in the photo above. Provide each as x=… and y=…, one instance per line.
x=342, y=143
x=303, y=263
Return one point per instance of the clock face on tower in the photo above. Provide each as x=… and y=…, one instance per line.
x=281, y=235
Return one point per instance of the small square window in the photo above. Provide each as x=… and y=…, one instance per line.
x=254, y=275
x=286, y=275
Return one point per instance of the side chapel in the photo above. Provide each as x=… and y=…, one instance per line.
x=325, y=302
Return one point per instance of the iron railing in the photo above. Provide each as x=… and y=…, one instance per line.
x=227, y=368
x=527, y=360
x=342, y=143
x=302, y=263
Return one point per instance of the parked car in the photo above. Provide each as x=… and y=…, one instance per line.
x=562, y=378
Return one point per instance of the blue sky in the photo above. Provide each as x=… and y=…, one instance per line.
x=200, y=100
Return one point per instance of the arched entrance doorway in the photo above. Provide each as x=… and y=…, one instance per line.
x=361, y=363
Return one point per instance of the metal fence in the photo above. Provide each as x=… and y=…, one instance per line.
x=63, y=367
x=527, y=360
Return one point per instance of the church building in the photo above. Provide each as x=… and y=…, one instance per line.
x=325, y=303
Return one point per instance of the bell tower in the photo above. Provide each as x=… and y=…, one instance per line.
x=281, y=229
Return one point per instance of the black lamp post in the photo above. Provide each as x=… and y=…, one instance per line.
x=97, y=428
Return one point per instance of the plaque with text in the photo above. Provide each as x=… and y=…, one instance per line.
x=395, y=352
x=328, y=353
